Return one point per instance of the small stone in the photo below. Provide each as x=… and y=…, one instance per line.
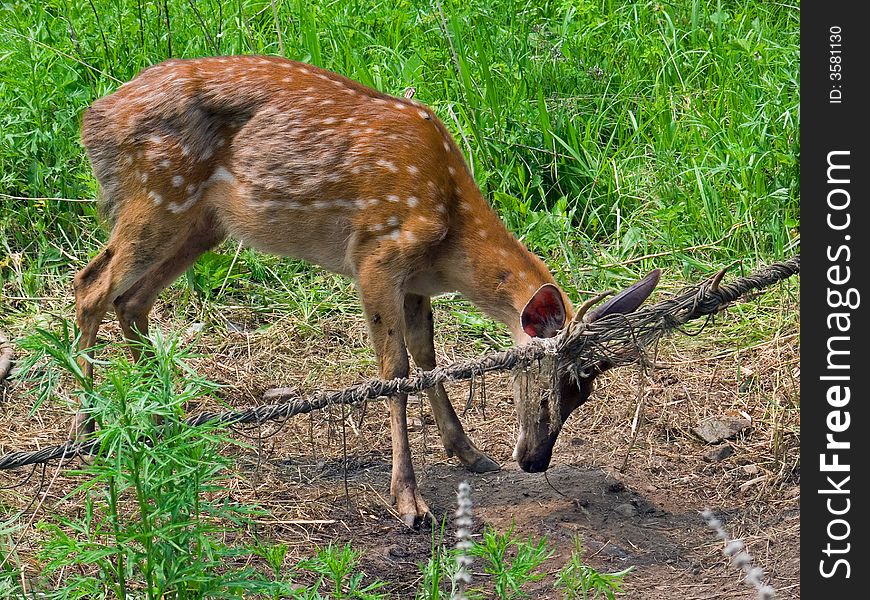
x=717, y=453
x=716, y=429
x=626, y=510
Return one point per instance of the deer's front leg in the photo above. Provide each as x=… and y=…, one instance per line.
x=419, y=337
x=382, y=301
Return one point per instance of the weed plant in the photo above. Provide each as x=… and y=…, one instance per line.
x=156, y=514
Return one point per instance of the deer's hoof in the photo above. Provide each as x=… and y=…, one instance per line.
x=413, y=510
x=484, y=464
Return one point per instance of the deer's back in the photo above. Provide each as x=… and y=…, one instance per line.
x=290, y=158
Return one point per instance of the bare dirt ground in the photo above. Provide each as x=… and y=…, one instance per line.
x=632, y=500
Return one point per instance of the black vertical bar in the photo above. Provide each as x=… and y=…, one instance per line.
x=834, y=424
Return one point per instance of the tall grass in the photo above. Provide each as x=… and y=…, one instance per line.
x=602, y=131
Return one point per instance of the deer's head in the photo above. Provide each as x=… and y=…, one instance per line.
x=545, y=399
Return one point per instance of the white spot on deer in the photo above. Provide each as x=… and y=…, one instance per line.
x=221, y=174
x=329, y=120
x=399, y=105
x=177, y=181
x=393, y=198
x=190, y=188
x=446, y=146
x=190, y=201
x=185, y=149
x=305, y=70
x=482, y=233
x=441, y=208
x=451, y=169
x=390, y=166
x=207, y=154
x=327, y=101
x=424, y=114
x=394, y=235
x=165, y=163
x=413, y=201
x=128, y=159
x=393, y=221
x=413, y=169
x=380, y=101
x=321, y=204
x=143, y=177
x=376, y=227
x=409, y=237
x=503, y=252
x=465, y=206
x=287, y=65
x=156, y=139
x=356, y=169
x=373, y=202
x=155, y=197
x=287, y=79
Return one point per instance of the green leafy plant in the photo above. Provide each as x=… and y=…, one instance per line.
x=155, y=510
x=339, y=567
x=437, y=573
x=579, y=581
x=511, y=562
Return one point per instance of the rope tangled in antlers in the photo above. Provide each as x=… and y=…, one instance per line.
x=617, y=338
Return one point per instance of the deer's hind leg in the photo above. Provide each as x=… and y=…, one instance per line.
x=143, y=235
x=133, y=306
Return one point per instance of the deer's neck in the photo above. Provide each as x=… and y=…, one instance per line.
x=491, y=267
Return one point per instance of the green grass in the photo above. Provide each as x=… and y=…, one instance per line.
x=603, y=132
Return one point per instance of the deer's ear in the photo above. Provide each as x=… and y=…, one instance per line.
x=628, y=300
x=544, y=315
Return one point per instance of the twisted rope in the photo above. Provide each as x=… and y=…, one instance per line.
x=618, y=339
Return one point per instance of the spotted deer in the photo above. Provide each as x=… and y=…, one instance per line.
x=298, y=161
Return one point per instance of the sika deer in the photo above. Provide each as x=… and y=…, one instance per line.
x=298, y=161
